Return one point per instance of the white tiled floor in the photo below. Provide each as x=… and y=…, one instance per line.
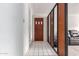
x=73, y=50
x=40, y=48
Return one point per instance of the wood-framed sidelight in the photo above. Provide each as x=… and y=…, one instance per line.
x=62, y=17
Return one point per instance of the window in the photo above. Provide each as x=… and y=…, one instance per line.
x=36, y=22
x=41, y=22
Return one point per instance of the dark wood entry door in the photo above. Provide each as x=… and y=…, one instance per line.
x=38, y=24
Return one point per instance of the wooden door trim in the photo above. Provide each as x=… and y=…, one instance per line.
x=65, y=28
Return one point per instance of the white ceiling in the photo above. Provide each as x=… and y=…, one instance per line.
x=73, y=8
x=41, y=9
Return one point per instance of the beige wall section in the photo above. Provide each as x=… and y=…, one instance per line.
x=45, y=29
x=33, y=28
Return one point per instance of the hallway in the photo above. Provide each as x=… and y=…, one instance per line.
x=40, y=48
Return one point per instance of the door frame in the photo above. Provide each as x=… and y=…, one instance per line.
x=66, y=29
x=48, y=28
x=65, y=26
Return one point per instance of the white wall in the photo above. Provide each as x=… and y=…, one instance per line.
x=55, y=23
x=26, y=28
x=11, y=27
x=73, y=16
x=73, y=22
x=30, y=23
